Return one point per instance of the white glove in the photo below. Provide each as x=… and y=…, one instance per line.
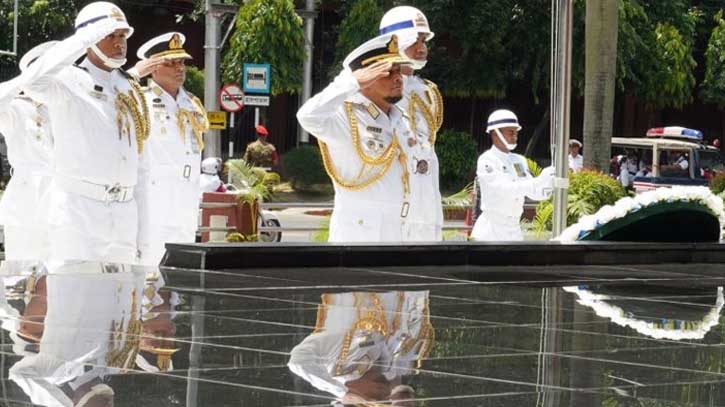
x=548, y=171
x=145, y=67
x=545, y=180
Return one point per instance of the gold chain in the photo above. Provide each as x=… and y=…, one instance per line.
x=384, y=162
x=372, y=320
x=197, y=127
x=383, y=159
x=438, y=98
x=129, y=104
x=125, y=356
x=434, y=122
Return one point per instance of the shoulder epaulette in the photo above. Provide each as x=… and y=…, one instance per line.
x=80, y=67
x=430, y=83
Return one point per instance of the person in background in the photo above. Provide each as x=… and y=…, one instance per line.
x=261, y=153
x=576, y=161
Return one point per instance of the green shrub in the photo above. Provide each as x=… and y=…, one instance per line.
x=303, y=167
x=457, y=159
x=588, y=192
x=195, y=82
x=717, y=184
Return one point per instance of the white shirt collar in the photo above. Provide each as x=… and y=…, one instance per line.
x=98, y=74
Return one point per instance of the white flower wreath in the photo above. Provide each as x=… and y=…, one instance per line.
x=628, y=205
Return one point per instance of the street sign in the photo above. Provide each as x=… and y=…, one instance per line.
x=257, y=78
x=217, y=120
x=250, y=100
x=231, y=98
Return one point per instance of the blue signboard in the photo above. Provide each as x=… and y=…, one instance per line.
x=257, y=78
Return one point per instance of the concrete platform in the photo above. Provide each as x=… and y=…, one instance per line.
x=208, y=256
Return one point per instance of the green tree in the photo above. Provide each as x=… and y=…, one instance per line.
x=358, y=26
x=473, y=61
x=38, y=21
x=599, y=85
x=268, y=31
x=656, y=62
x=713, y=86
x=712, y=89
x=194, y=82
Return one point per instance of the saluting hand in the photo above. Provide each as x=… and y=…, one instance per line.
x=145, y=67
x=368, y=75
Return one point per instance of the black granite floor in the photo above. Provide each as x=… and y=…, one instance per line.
x=448, y=336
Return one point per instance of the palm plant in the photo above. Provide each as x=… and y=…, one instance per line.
x=252, y=183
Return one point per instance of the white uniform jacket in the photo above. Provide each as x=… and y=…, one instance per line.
x=424, y=105
x=169, y=168
x=96, y=118
x=23, y=208
x=360, y=147
x=504, y=181
x=576, y=163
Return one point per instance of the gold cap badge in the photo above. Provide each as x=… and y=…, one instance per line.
x=175, y=42
x=393, y=45
x=117, y=15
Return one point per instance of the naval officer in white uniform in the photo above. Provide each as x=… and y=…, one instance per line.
x=505, y=181
x=83, y=338
x=364, y=343
x=23, y=208
x=168, y=188
x=360, y=129
x=423, y=103
x=99, y=121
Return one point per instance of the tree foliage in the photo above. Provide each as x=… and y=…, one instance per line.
x=38, y=21
x=360, y=25
x=194, y=82
x=713, y=86
x=655, y=51
x=457, y=159
x=472, y=56
x=268, y=31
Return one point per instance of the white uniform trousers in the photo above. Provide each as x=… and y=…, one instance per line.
x=365, y=221
x=89, y=230
x=494, y=227
x=168, y=211
x=422, y=232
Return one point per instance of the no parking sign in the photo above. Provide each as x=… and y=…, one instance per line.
x=231, y=98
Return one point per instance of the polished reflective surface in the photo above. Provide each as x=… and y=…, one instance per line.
x=102, y=335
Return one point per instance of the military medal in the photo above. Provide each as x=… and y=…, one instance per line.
x=421, y=167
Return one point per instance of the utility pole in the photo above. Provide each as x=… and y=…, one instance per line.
x=561, y=38
x=309, y=15
x=215, y=11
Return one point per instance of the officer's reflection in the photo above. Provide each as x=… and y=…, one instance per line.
x=77, y=325
x=364, y=344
